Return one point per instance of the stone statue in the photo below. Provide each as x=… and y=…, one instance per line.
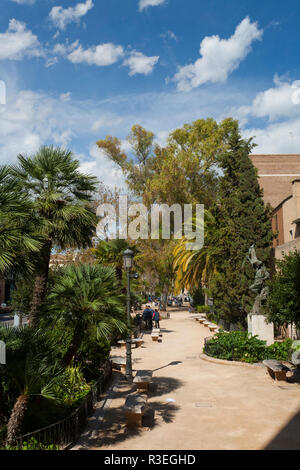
x=259, y=285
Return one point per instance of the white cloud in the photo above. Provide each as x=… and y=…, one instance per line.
x=282, y=137
x=65, y=96
x=278, y=106
x=18, y=42
x=149, y=3
x=100, y=166
x=64, y=49
x=101, y=55
x=169, y=35
x=106, y=121
x=219, y=57
x=274, y=103
x=139, y=63
x=61, y=17
x=31, y=119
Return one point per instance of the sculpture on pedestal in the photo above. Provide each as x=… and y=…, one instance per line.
x=259, y=286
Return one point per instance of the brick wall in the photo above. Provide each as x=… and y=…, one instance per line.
x=276, y=173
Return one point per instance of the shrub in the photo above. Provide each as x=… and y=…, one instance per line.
x=203, y=309
x=240, y=346
x=73, y=386
x=280, y=351
x=198, y=296
x=32, y=444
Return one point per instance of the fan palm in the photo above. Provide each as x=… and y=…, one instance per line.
x=110, y=253
x=60, y=194
x=31, y=369
x=86, y=298
x=17, y=233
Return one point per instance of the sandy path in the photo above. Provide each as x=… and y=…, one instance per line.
x=216, y=406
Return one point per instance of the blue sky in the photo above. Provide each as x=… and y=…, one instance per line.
x=77, y=70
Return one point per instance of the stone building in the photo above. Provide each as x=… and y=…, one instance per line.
x=279, y=177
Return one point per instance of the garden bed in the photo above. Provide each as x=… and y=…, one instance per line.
x=240, y=347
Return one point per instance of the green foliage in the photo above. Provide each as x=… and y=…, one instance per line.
x=87, y=299
x=203, y=309
x=32, y=444
x=198, y=296
x=18, y=238
x=240, y=346
x=280, y=350
x=283, y=305
x=241, y=220
x=296, y=345
x=72, y=386
x=21, y=296
x=188, y=159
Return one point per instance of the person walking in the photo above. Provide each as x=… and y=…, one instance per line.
x=150, y=316
x=147, y=317
x=156, y=318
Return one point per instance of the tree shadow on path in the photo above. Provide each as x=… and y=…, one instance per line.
x=114, y=428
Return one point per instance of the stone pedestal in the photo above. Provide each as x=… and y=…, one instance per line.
x=258, y=326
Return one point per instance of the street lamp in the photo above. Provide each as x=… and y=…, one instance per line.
x=128, y=263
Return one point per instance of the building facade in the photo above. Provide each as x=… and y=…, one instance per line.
x=279, y=178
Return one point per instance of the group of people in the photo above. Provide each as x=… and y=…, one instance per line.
x=151, y=315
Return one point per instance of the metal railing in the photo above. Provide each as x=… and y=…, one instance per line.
x=64, y=433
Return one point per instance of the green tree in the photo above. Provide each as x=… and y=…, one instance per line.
x=110, y=253
x=241, y=220
x=194, y=268
x=18, y=238
x=283, y=305
x=60, y=194
x=31, y=370
x=86, y=298
x=184, y=171
x=137, y=171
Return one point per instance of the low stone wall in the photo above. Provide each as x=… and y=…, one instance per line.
x=207, y=358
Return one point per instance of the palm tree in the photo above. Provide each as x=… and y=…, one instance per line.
x=17, y=232
x=194, y=268
x=87, y=298
x=31, y=369
x=110, y=253
x=60, y=194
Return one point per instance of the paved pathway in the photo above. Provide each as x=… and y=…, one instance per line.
x=197, y=404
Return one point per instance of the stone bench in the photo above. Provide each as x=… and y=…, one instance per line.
x=118, y=363
x=212, y=327
x=142, y=379
x=136, y=341
x=154, y=336
x=156, y=331
x=206, y=323
x=276, y=370
x=134, y=409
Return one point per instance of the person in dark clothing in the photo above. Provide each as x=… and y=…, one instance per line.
x=156, y=318
x=147, y=317
x=150, y=324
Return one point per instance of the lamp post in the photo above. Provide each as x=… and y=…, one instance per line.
x=128, y=263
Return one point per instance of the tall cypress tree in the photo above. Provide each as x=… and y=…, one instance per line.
x=242, y=220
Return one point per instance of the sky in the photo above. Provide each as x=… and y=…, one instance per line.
x=74, y=71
